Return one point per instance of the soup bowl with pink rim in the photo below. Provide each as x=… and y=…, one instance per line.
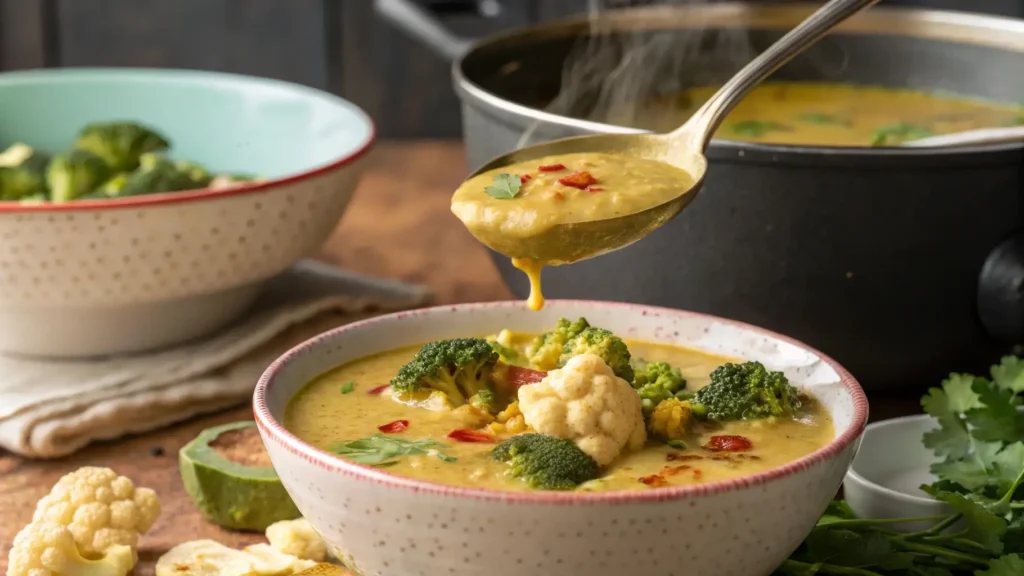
x=381, y=524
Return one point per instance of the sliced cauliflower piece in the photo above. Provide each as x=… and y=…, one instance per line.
x=587, y=403
x=209, y=558
x=49, y=549
x=297, y=537
x=100, y=509
x=203, y=558
x=268, y=561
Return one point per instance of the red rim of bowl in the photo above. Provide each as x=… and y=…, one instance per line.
x=202, y=193
x=273, y=429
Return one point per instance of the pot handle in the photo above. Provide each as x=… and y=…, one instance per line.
x=423, y=26
x=1001, y=291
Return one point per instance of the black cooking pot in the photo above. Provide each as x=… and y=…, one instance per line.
x=903, y=264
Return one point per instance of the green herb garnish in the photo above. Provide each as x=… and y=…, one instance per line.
x=898, y=133
x=757, y=128
x=348, y=387
x=677, y=444
x=505, y=187
x=980, y=437
x=382, y=450
x=824, y=119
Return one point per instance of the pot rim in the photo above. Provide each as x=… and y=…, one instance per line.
x=948, y=25
x=273, y=430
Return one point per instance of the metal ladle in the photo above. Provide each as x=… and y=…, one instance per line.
x=683, y=147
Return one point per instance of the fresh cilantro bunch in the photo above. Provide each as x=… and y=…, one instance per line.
x=981, y=440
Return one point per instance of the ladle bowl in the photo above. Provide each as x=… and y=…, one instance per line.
x=683, y=148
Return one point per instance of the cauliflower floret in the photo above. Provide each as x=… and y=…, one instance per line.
x=48, y=549
x=671, y=419
x=587, y=403
x=297, y=537
x=100, y=509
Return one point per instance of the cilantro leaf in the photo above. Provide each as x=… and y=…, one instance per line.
x=348, y=387
x=853, y=549
x=757, y=128
x=1009, y=464
x=505, y=187
x=382, y=450
x=1009, y=565
x=1009, y=374
x=837, y=511
x=898, y=133
x=997, y=419
x=819, y=118
x=1013, y=540
x=974, y=471
x=983, y=527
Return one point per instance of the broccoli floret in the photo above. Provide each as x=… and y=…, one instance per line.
x=599, y=341
x=546, y=462
x=120, y=144
x=461, y=368
x=18, y=183
x=75, y=174
x=545, y=350
x=196, y=173
x=20, y=155
x=655, y=382
x=158, y=174
x=745, y=391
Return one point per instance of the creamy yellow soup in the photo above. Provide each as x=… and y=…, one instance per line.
x=528, y=199
x=338, y=407
x=825, y=114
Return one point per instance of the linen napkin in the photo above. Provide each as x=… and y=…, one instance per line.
x=51, y=408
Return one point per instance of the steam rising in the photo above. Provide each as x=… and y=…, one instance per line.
x=640, y=79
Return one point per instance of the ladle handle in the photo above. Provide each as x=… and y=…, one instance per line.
x=703, y=123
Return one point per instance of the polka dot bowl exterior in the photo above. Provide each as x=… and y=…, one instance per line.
x=384, y=525
x=99, y=277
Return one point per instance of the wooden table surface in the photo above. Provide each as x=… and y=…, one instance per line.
x=398, y=226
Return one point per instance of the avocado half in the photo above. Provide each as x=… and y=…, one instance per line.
x=227, y=473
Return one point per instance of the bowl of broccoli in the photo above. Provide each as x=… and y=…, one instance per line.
x=584, y=438
x=148, y=207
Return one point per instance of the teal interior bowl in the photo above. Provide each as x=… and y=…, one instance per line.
x=112, y=276
x=227, y=122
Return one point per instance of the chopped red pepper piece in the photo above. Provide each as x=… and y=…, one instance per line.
x=525, y=178
x=519, y=376
x=392, y=427
x=378, y=390
x=728, y=444
x=470, y=436
x=578, y=180
x=594, y=189
x=654, y=481
x=551, y=167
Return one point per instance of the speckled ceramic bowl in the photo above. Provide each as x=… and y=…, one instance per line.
x=386, y=525
x=111, y=276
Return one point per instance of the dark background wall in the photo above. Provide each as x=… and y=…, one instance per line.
x=336, y=45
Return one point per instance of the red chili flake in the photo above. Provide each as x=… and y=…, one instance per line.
x=378, y=390
x=525, y=178
x=392, y=427
x=654, y=481
x=594, y=189
x=686, y=457
x=673, y=470
x=470, y=436
x=579, y=180
x=519, y=376
x=728, y=444
x=551, y=168
x=558, y=196
x=697, y=474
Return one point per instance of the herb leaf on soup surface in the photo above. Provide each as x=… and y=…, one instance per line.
x=383, y=450
x=756, y=128
x=899, y=133
x=824, y=119
x=979, y=435
x=348, y=387
x=505, y=187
